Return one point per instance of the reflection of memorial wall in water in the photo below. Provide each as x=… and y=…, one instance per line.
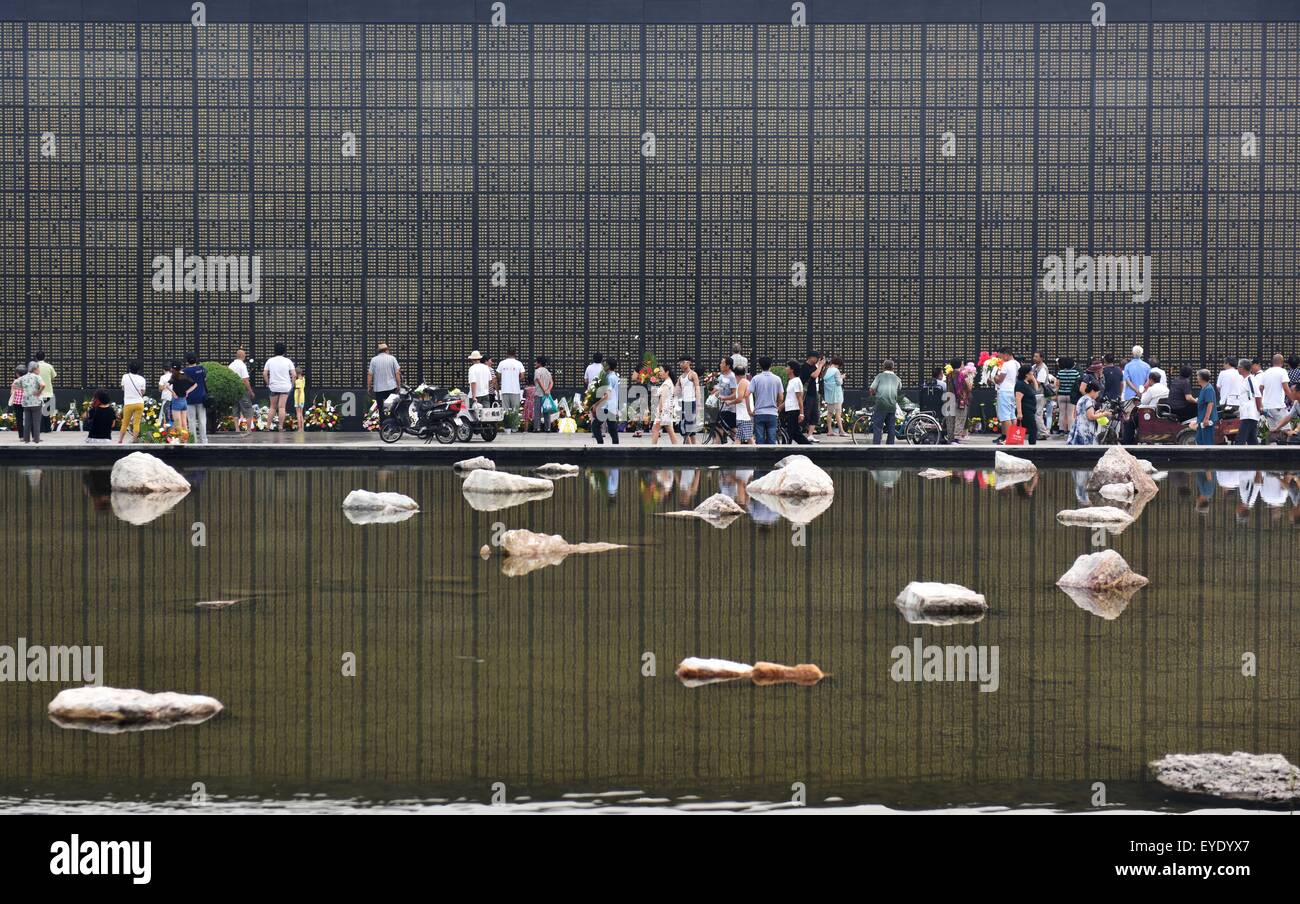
x=521, y=146
x=558, y=702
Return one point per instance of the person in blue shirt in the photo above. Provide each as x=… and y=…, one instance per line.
x=604, y=414
x=198, y=397
x=1136, y=372
x=1207, y=409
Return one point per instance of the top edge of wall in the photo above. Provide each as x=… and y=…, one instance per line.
x=650, y=12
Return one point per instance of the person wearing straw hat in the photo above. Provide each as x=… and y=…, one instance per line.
x=480, y=379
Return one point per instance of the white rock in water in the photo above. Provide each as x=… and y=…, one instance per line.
x=1266, y=778
x=934, y=474
x=364, y=499
x=696, y=672
x=554, y=469
x=478, y=463
x=1120, y=491
x=1147, y=466
x=141, y=508
x=720, y=510
x=1107, y=516
x=1119, y=466
x=936, y=603
x=795, y=475
x=484, y=481
x=1159, y=475
x=1105, y=570
x=141, y=472
x=531, y=543
x=1011, y=464
x=111, y=709
x=1107, y=604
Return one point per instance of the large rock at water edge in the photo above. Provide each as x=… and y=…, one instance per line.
x=1011, y=464
x=482, y=480
x=795, y=475
x=141, y=472
x=795, y=509
x=1105, y=570
x=1266, y=778
x=111, y=709
x=1119, y=466
x=477, y=463
x=936, y=603
x=141, y=508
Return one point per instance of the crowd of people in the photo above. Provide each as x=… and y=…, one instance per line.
x=756, y=403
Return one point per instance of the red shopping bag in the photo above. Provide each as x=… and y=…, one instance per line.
x=1016, y=435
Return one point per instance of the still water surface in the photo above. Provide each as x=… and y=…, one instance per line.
x=559, y=685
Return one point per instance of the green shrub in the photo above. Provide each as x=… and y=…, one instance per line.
x=224, y=390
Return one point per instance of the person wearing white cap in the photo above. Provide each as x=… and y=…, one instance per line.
x=480, y=379
x=1156, y=389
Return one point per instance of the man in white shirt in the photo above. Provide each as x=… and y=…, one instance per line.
x=480, y=379
x=1274, y=385
x=510, y=371
x=240, y=367
x=593, y=369
x=1247, y=401
x=1006, y=383
x=279, y=373
x=1154, y=390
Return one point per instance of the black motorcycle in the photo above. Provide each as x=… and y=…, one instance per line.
x=421, y=412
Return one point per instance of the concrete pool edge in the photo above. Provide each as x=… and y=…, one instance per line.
x=376, y=454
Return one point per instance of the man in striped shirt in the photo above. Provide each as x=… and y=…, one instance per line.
x=1067, y=382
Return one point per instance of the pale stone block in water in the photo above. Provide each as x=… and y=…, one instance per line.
x=1107, y=516
x=1011, y=464
x=481, y=480
x=142, y=508
x=1267, y=778
x=364, y=499
x=934, y=602
x=141, y=472
x=934, y=474
x=555, y=469
x=478, y=463
x=1118, y=491
x=720, y=510
x=111, y=709
x=697, y=672
x=795, y=475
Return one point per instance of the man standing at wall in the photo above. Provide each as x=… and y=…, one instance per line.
x=886, y=388
x=1276, y=400
x=1136, y=372
x=593, y=369
x=768, y=394
x=45, y=370
x=244, y=422
x=1006, y=378
x=278, y=373
x=809, y=373
x=510, y=371
x=480, y=379
x=383, y=375
x=198, y=398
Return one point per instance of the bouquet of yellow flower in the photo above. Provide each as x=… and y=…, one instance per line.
x=175, y=436
x=371, y=420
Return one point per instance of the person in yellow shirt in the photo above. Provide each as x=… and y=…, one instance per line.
x=300, y=395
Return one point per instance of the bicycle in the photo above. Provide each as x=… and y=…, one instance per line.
x=919, y=428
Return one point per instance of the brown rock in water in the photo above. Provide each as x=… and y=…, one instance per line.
x=111, y=710
x=804, y=674
x=528, y=551
x=1118, y=465
x=1105, y=570
x=485, y=551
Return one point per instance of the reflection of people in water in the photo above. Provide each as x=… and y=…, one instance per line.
x=688, y=484
x=733, y=484
x=99, y=487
